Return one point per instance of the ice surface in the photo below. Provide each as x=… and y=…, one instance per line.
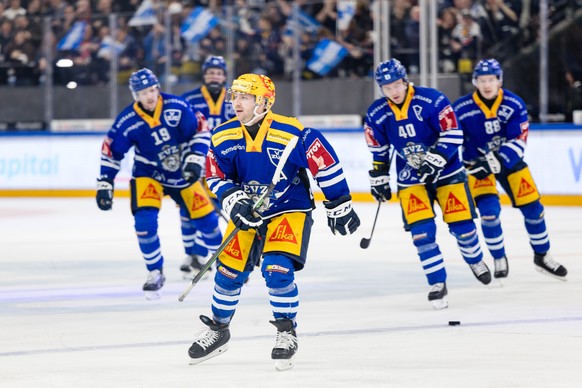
x=72, y=313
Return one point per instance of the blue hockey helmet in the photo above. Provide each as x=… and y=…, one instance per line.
x=390, y=71
x=487, y=67
x=214, y=62
x=142, y=79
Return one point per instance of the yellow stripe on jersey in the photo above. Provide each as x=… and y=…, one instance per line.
x=151, y=121
x=489, y=113
x=213, y=107
x=278, y=136
x=288, y=121
x=256, y=144
x=402, y=114
x=228, y=134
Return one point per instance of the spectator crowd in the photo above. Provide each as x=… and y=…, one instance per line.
x=468, y=30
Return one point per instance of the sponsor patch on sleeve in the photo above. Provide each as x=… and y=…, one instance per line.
x=370, y=139
x=212, y=169
x=447, y=118
x=106, y=147
x=318, y=157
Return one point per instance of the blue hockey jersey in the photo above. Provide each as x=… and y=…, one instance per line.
x=503, y=128
x=425, y=119
x=159, y=140
x=237, y=160
x=201, y=101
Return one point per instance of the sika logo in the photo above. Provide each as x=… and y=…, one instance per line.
x=482, y=183
x=524, y=188
x=415, y=204
x=454, y=205
x=199, y=201
x=150, y=193
x=284, y=233
x=233, y=249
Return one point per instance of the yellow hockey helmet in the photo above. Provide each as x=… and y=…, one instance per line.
x=259, y=86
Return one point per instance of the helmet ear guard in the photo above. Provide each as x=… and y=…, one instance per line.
x=487, y=67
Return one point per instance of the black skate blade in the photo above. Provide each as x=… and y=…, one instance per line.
x=551, y=275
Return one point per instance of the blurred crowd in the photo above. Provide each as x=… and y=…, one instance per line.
x=468, y=30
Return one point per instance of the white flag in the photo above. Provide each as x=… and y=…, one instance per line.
x=144, y=16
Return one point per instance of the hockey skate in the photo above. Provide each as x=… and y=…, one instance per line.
x=437, y=296
x=481, y=272
x=191, y=266
x=153, y=284
x=546, y=265
x=286, y=344
x=209, y=342
x=501, y=267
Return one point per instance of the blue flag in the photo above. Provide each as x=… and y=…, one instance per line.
x=306, y=23
x=144, y=16
x=72, y=40
x=198, y=24
x=326, y=55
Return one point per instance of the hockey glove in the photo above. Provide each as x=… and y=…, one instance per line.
x=379, y=183
x=341, y=217
x=484, y=167
x=431, y=167
x=193, y=166
x=104, y=194
x=239, y=206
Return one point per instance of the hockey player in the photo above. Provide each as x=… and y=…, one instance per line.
x=420, y=126
x=495, y=127
x=171, y=144
x=210, y=100
x=243, y=156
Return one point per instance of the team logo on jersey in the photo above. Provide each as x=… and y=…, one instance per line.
x=447, y=118
x=170, y=158
x=417, y=112
x=415, y=204
x=525, y=188
x=255, y=190
x=504, y=113
x=274, y=157
x=172, y=117
x=454, y=205
x=318, y=157
x=370, y=139
x=151, y=193
x=233, y=249
x=482, y=183
x=106, y=147
x=283, y=233
x=198, y=202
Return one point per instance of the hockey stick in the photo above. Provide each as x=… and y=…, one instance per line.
x=276, y=177
x=365, y=242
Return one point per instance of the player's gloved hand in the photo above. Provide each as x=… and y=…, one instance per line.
x=104, y=194
x=193, y=166
x=239, y=206
x=491, y=164
x=379, y=184
x=431, y=167
x=341, y=217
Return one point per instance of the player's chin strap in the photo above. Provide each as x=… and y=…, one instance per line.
x=256, y=116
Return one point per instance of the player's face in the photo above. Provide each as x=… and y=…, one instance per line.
x=214, y=75
x=244, y=106
x=148, y=97
x=488, y=86
x=395, y=91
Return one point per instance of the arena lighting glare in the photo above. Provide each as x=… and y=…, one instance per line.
x=72, y=85
x=64, y=63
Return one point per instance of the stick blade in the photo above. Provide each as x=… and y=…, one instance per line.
x=365, y=243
